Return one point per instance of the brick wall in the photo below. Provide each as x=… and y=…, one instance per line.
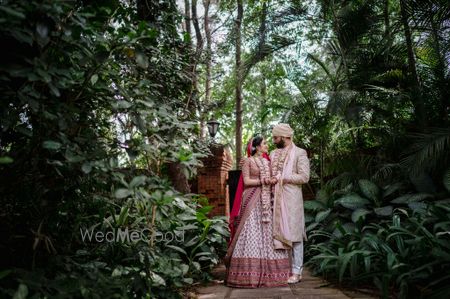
x=212, y=179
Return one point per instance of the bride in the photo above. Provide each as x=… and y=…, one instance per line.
x=251, y=259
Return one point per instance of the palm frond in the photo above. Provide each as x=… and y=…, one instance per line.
x=342, y=181
x=391, y=75
x=381, y=89
x=262, y=51
x=386, y=172
x=324, y=67
x=429, y=152
x=288, y=14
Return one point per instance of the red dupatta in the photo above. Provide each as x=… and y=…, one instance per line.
x=235, y=211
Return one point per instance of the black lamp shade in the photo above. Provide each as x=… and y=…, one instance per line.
x=213, y=127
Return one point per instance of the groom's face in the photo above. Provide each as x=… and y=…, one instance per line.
x=278, y=141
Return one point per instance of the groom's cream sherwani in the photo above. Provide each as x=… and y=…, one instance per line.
x=292, y=165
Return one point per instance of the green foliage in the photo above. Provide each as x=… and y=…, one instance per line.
x=179, y=245
x=93, y=110
x=373, y=235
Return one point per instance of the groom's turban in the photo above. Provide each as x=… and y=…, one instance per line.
x=282, y=130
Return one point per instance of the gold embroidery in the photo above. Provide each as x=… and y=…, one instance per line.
x=264, y=171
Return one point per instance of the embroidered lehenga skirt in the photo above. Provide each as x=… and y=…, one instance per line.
x=253, y=261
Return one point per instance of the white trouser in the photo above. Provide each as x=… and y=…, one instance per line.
x=297, y=258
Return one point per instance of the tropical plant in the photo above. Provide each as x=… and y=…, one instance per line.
x=93, y=113
x=364, y=236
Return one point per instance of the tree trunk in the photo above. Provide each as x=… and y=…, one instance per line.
x=263, y=102
x=262, y=41
x=415, y=90
x=177, y=176
x=238, y=23
x=208, y=63
x=262, y=27
x=194, y=97
x=190, y=68
x=187, y=18
x=208, y=53
x=198, y=33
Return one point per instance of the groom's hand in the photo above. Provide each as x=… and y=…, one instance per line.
x=273, y=181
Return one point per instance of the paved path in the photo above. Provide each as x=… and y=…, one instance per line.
x=309, y=288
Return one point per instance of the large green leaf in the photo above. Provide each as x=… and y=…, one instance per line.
x=390, y=189
x=177, y=248
x=418, y=207
x=52, y=145
x=408, y=198
x=313, y=205
x=322, y=196
x=137, y=181
x=369, y=189
x=157, y=279
x=352, y=201
x=311, y=226
x=343, y=229
x=309, y=217
x=359, y=213
x=384, y=211
x=322, y=215
x=6, y=160
x=122, y=193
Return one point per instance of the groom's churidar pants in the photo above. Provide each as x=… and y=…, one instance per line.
x=297, y=258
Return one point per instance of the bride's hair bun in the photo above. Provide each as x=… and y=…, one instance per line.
x=256, y=142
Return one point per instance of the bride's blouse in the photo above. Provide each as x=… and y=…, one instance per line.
x=250, y=173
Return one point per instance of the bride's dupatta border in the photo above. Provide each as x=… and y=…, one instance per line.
x=248, y=205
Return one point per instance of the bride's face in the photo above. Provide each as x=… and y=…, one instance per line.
x=263, y=148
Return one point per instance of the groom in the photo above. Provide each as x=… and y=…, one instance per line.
x=290, y=170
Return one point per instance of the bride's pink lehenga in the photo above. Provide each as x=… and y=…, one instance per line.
x=251, y=260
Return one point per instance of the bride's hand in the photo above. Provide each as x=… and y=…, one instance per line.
x=241, y=162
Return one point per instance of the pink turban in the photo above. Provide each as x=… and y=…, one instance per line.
x=283, y=130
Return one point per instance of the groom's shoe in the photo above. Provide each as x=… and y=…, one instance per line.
x=295, y=278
